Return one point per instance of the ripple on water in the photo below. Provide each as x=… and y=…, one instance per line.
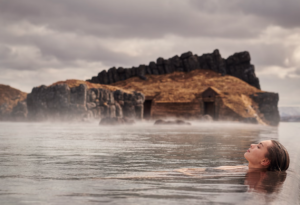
x=87, y=163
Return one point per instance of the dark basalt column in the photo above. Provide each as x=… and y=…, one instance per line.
x=176, y=63
x=153, y=68
x=141, y=72
x=169, y=68
x=148, y=70
x=102, y=77
x=186, y=55
x=191, y=63
x=128, y=73
x=110, y=74
x=237, y=65
x=219, y=62
x=121, y=73
x=160, y=66
x=134, y=71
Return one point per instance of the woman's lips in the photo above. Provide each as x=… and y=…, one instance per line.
x=248, y=150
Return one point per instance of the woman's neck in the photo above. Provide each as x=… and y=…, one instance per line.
x=259, y=166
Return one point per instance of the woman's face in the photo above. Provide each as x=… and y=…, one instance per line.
x=257, y=152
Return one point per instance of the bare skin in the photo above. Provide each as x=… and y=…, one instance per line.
x=255, y=155
x=196, y=171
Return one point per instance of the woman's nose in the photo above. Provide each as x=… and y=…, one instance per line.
x=252, y=145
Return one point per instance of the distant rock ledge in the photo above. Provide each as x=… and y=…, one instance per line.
x=192, y=86
x=74, y=100
x=71, y=100
x=237, y=65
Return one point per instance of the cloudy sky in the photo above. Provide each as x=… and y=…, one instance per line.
x=44, y=41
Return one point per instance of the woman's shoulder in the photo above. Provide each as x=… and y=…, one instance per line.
x=194, y=171
x=238, y=167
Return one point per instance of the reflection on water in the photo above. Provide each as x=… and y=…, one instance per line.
x=265, y=182
x=87, y=163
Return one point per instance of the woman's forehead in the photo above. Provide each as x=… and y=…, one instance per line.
x=266, y=143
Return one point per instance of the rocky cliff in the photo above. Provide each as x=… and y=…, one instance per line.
x=189, y=86
x=179, y=95
x=237, y=65
x=81, y=100
x=12, y=103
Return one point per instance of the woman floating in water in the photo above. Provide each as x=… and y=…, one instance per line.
x=269, y=155
x=267, y=162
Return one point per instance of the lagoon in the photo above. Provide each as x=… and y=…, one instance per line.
x=84, y=163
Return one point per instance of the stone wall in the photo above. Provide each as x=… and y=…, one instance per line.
x=190, y=110
x=237, y=65
x=60, y=102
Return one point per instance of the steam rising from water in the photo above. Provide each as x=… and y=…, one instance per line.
x=68, y=162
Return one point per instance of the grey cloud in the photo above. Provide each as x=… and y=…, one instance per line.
x=287, y=89
x=270, y=54
x=297, y=72
x=60, y=56
x=72, y=52
x=142, y=19
x=99, y=18
x=16, y=61
x=5, y=52
x=155, y=18
x=57, y=50
x=269, y=12
x=283, y=13
x=231, y=26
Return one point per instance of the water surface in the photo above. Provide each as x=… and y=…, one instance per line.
x=61, y=163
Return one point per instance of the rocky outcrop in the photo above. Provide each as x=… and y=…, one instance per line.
x=267, y=105
x=66, y=101
x=12, y=105
x=237, y=65
x=20, y=111
x=197, y=93
x=4, y=113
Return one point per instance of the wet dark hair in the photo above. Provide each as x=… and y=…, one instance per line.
x=278, y=156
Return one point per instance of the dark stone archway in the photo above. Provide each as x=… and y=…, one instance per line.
x=147, y=109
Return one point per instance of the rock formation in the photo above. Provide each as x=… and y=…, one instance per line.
x=80, y=100
x=201, y=92
x=12, y=103
x=237, y=65
x=191, y=86
x=267, y=105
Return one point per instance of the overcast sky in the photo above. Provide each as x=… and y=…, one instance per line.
x=44, y=41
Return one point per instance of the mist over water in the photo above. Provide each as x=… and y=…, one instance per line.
x=84, y=163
